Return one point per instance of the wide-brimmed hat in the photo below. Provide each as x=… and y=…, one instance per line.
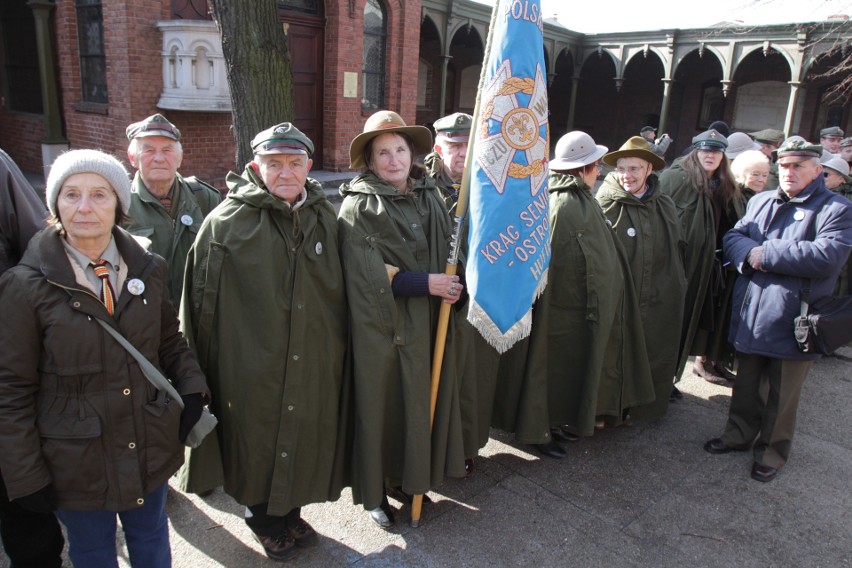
x=384, y=122
x=635, y=147
x=840, y=166
x=575, y=150
x=739, y=142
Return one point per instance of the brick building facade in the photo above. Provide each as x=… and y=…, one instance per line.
x=607, y=84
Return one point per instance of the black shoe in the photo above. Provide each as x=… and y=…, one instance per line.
x=675, y=394
x=279, y=548
x=303, y=533
x=724, y=373
x=717, y=446
x=551, y=450
x=383, y=515
x=563, y=436
x=403, y=497
x=763, y=473
x=468, y=468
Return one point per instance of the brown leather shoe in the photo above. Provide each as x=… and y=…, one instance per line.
x=763, y=473
x=280, y=548
x=303, y=533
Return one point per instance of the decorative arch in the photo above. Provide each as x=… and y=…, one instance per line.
x=702, y=49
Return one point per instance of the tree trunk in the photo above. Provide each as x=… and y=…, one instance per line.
x=258, y=64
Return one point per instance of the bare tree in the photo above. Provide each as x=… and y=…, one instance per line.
x=258, y=63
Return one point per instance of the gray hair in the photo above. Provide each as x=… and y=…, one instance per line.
x=745, y=162
x=133, y=147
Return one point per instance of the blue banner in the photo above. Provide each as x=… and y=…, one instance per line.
x=509, y=238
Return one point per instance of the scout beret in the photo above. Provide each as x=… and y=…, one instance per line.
x=647, y=129
x=154, y=125
x=710, y=140
x=456, y=125
x=831, y=131
x=801, y=148
x=282, y=138
x=768, y=136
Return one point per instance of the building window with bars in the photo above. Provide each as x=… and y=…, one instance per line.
x=375, y=40
x=90, y=33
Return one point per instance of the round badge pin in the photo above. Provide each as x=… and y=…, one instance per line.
x=135, y=286
x=799, y=215
x=318, y=248
x=631, y=232
x=186, y=220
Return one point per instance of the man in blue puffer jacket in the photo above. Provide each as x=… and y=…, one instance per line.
x=799, y=234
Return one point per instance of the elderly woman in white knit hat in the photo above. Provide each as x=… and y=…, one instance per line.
x=82, y=430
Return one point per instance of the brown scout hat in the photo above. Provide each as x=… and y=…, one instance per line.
x=383, y=122
x=635, y=147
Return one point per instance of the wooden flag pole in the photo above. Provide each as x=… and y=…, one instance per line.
x=451, y=267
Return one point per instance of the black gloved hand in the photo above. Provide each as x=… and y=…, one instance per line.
x=193, y=405
x=42, y=501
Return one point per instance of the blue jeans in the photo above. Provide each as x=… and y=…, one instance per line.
x=91, y=534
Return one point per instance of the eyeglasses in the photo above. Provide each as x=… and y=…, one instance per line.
x=632, y=170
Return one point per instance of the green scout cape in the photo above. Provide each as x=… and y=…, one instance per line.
x=649, y=231
x=265, y=311
x=393, y=338
x=597, y=359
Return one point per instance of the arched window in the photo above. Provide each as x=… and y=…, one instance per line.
x=375, y=39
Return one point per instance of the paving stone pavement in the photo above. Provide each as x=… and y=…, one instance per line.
x=641, y=495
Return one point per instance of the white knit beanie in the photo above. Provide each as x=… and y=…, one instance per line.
x=87, y=161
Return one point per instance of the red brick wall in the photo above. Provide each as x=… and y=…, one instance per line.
x=343, y=118
x=20, y=136
x=133, y=47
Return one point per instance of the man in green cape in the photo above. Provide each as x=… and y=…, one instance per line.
x=264, y=308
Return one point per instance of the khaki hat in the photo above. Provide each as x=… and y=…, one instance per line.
x=635, y=147
x=768, y=136
x=710, y=140
x=798, y=148
x=740, y=142
x=384, y=122
x=282, y=138
x=154, y=125
x=833, y=131
x=456, y=125
x=846, y=142
x=575, y=150
x=840, y=166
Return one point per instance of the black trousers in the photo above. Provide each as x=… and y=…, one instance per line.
x=31, y=540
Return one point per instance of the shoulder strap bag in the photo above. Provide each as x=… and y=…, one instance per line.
x=205, y=424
